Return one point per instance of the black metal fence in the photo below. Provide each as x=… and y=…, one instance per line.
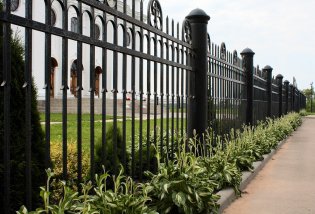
x=178, y=80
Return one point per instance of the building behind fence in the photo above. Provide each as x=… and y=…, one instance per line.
x=177, y=79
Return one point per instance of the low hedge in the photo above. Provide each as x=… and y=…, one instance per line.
x=186, y=185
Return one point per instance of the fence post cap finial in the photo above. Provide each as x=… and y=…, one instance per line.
x=279, y=76
x=286, y=82
x=247, y=51
x=198, y=14
x=267, y=67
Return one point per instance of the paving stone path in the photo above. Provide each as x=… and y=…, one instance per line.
x=287, y=183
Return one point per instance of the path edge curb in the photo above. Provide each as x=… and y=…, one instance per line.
x=228, y=195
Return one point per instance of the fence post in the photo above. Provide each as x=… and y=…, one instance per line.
x=299, y=101
x=248, y=66
x=197, y=79
x=292, y=97
x=286, y=87
x=280, y=83
x=268, y=70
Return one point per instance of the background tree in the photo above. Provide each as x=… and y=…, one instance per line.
x=18, y=131
x=308, y=94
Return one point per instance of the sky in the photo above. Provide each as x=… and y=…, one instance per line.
x=280, y=32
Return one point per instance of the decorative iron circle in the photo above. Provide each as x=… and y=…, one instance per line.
x=186, y=31
x=111, y=3
x=155, y=15
x=223, y=51
x=235, y=57
x=14, y=5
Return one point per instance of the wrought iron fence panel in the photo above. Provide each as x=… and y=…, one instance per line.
x=226, y=89
x=139, y=67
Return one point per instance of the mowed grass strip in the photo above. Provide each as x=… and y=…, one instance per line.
x=56, y=128
x=57, y=117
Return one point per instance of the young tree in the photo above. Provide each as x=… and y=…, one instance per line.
x=18, y=131
x=309, y=93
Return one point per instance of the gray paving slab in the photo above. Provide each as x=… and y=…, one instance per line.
x=286, y=184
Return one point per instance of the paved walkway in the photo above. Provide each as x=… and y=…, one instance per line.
x=287, y=183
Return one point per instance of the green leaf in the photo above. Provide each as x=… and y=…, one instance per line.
x=166, y=187
x=179, y=198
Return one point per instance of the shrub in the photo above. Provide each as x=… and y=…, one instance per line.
x=72, y=156
x=182, y=186
x=187, y=184
x=108, y=160
x=303, y=112
x=72, y=168
x=18, y=131
x=153, y=149
x=126, y=197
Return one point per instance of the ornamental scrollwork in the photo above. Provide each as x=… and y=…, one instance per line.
x=235, y=57
x=112, y=3
x=223, y=51
x=155, y=16
x=187, y=32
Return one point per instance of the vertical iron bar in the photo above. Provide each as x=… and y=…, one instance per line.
x=47, y=84
x=6, y=84
x=64, y=93
x=167, y=91
x=133, y=93
x=155, y=91
x=162, y=99
x=219, y=88
x=177, y=87
x=219, y=82
x=115, y=91
x=141, y=93
x=286, y=87
x=92, y=97
x=182, y=94
x=79, y=97
x=104, y=89
x=124, y=87
x=172, y=89
x=186, y=94
x=148, y=101
x=28, y=105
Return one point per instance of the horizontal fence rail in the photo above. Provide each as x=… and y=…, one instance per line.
x=146, y=82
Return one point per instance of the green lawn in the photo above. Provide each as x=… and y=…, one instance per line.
x=56, y=128
x=57, y=117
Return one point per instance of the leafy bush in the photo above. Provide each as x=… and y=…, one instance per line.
x=182, y=186
x=57, y=188
x=303, y=112
x=153, y=149
x=187, y=184
x=225, y=173
x=72, y=164
x=108, y=160
x=126, y=197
